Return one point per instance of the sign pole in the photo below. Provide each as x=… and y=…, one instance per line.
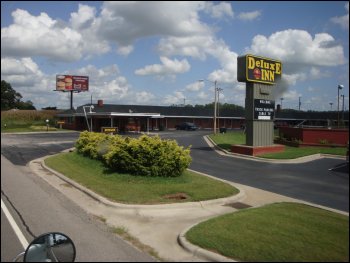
x=259, y=114
x=71, y=99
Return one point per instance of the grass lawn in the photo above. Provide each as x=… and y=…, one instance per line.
x=131, y=189
x=225, y=140
x=295, y=152
x=277, y=232
x=238, y=137
x=31, y=128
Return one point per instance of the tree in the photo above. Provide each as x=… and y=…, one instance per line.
x=49, y=108
x=11, y=99
x=28, y=105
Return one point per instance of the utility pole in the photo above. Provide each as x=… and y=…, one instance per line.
x=299, y=102
x=339, y=88
x=218, y=108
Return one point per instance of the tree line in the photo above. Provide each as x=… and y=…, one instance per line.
x=11, y=99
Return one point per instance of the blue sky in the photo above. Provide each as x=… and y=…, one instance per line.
x=154, y=53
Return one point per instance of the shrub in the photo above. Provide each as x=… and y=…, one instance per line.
x=323, y=141
x=93, y=145
x=147, y=156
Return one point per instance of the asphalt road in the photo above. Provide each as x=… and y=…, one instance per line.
x=38, y=208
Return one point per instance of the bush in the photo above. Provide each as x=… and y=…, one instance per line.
x=93, y=145
x=147, y=156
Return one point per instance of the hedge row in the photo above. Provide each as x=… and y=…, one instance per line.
x=147, y=156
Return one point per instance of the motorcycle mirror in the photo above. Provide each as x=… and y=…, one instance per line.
x=50, y=247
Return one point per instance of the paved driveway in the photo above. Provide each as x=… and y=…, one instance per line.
x=312, y=182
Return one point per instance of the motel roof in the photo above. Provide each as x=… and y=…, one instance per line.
x=187, y=111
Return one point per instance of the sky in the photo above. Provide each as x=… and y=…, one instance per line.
x=155, y=53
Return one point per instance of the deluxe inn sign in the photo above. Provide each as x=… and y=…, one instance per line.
x=258, y=69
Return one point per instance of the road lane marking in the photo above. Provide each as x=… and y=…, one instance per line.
x=14, y=226
x=60, y=142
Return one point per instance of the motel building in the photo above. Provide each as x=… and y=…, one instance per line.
x=143, y=118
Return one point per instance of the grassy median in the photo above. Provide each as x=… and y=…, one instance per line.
x=277, y=232
x=225, y=141
x=131, y=189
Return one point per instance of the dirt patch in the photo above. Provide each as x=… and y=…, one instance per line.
x=238, y=205
x=177, y=196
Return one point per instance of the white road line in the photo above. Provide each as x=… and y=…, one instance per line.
x=45, y=143
x=14, y=226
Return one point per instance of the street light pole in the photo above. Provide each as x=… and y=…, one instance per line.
x=281, y=103
x=215, y=101
x=215, y=105
x=342, y=109
x=86, y=118
x=339, y=88
x=218, y=107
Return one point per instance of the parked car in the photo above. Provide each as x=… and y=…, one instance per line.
x=188, y=126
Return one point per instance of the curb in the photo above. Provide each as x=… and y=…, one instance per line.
x=198, y=251
x=303, y=159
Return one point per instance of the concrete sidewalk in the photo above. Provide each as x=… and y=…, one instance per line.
x=161, y=227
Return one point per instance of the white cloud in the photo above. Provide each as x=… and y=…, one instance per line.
x=200, y=47
x=220, y=10
x=298, y=47
x=343, y=21
x=97, y=76
x=311, y=89
x=240, y=86
x=83, y=18
x=40, y=36
x=203, y=95
x=143, y=97
x=20, y=72
x=291, y=95
x=176, y=98
x=125, y=22
x=196, y=86
x=168, y=67
x=125, y=50
x=117, y=88
x=249, y=16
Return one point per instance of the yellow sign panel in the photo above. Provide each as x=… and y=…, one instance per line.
x=60, y=122
x=109, y=129
x=258, y=69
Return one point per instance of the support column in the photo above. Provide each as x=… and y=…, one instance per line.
x=259, y=132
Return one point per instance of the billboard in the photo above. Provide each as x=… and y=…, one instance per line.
x=70, y=82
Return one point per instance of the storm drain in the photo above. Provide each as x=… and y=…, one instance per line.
x=238, y=205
